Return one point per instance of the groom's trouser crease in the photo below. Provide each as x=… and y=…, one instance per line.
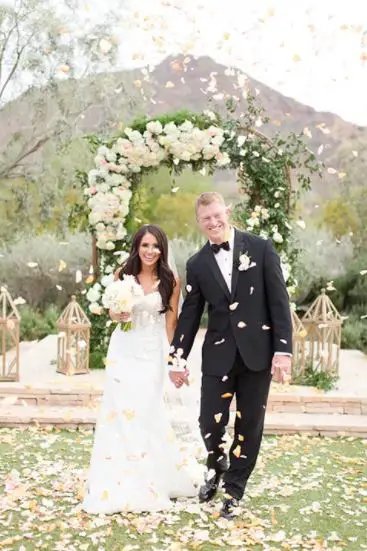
x=251, y=389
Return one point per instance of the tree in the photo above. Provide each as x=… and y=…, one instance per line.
x=339, y=217
x=40, y=47
x=155, y=202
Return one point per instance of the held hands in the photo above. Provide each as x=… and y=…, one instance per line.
x=121, y=317
x=281, y=369
x=178, y=378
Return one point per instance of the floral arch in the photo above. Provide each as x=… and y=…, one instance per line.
x=204, y=142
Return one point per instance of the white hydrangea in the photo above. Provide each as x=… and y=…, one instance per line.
x=223, y=159
x=109, y=199
x=155, y=127
x=277, y=237
x=93, y=294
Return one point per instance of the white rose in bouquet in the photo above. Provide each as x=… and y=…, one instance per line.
x=120, y=297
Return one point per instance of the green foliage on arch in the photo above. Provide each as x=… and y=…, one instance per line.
x=205, y=142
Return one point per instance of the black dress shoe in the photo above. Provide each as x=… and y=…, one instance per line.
x=228, y=508
x=209, y=489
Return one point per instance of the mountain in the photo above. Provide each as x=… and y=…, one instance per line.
x=285, y=113
x=105, y=102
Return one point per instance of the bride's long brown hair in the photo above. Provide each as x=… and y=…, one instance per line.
x=132, y=266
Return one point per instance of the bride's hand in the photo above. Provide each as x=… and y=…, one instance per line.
x=123, y=316
x=178, y=378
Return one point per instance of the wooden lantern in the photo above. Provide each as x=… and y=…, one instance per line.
x=73, y=340
x=298, y=345
x=323, y=324
x=10, y=336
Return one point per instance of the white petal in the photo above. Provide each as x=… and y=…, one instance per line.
x=18, y=301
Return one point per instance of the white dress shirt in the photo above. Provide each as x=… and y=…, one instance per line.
x=224, y=260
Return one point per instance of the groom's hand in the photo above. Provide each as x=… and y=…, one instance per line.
x=281, y=368
x=178, y=378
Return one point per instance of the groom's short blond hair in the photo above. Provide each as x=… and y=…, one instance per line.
x=207, y=198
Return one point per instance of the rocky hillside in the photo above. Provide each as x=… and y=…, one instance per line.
x=111, y=100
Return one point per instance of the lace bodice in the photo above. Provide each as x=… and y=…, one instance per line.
x=146, y=312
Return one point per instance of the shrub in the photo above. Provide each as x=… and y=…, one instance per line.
x=321, y=259
x=354, y=334
x=350, y=295
x=52, y=279
x=182, y=250
x=36, y=325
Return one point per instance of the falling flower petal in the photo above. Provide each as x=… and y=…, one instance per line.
x=241, y=324
x=19, y=301
x=105, y=45
x=330, y=286
x=227, y=395
x=129, y=414
x=301, y=224
x=64, y=68
x=233, y=306
x=218, y=417
x=237, y=451
x=220, y=342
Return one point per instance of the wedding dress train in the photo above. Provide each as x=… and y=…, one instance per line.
x=137, y=462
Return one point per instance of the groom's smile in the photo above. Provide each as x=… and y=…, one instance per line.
x=213, y=220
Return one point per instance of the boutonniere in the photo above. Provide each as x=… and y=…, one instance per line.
x=245, y=262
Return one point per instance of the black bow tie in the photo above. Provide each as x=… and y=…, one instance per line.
x=216, y=248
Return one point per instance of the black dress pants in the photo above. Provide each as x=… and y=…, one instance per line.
x=251, y=389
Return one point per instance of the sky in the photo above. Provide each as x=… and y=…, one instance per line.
x=310, y=50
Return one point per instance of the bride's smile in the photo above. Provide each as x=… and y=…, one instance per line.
x=149, y=251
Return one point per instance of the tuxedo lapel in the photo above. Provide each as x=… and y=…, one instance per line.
x=214, y=268
x=238, y=248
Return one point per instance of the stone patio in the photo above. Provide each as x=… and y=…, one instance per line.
x=45, y=397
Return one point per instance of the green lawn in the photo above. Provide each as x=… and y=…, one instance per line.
x=307, y=493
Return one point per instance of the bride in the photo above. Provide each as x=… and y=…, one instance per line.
x=137, y=463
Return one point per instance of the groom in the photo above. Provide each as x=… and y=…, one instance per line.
x=249, y=339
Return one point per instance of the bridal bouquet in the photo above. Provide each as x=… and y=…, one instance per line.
x=120, y=297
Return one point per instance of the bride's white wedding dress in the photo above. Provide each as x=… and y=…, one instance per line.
x=137, y=462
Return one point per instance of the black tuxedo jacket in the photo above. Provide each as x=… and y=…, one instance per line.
x=263, y=306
